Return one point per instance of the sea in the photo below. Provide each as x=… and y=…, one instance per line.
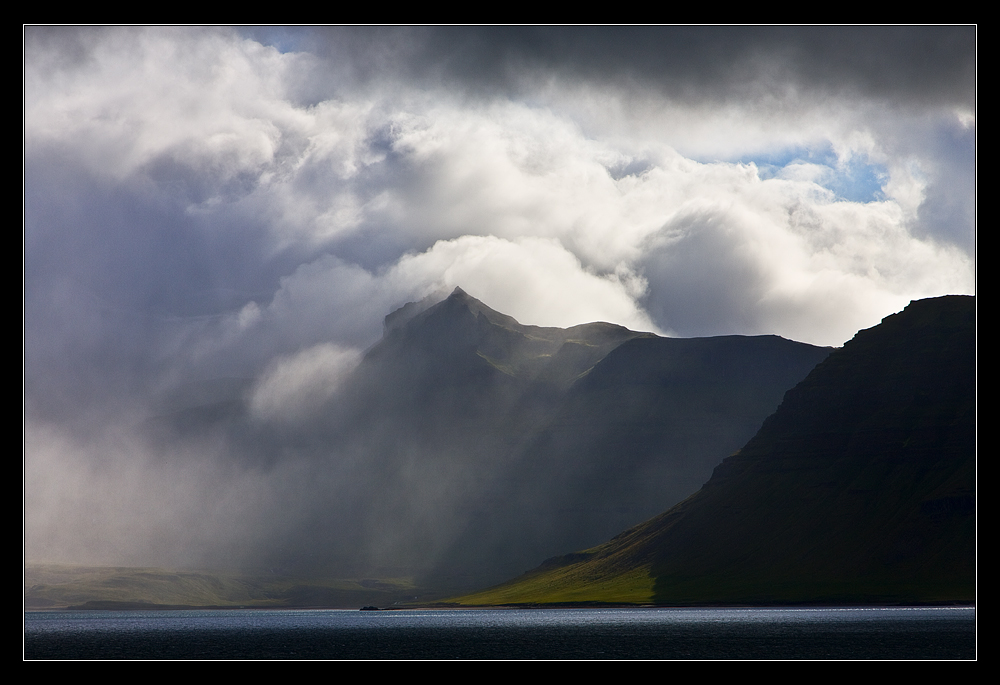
x=507, y=634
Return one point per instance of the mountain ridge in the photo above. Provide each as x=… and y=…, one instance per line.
x=860, y=487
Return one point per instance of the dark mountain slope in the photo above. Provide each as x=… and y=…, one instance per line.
x=645, y=426
x=860, y=488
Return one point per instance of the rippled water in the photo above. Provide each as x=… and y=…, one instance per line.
x=813, y=633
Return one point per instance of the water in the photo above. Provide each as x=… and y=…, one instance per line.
x=809, y=633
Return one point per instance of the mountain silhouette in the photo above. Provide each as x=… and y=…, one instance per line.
x=859, y=488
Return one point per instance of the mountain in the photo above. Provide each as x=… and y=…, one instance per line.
x=498, y=444
x=466, y=447
x=643, y=428
x=859, y=488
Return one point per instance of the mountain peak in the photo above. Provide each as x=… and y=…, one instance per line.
x=459, y=296
x=457, y=300
x=469, y=329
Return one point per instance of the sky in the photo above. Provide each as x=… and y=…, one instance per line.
x=213, y=203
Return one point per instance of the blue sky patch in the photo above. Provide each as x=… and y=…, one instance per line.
x=858, y=181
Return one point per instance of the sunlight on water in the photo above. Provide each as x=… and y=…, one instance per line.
x=834, y=633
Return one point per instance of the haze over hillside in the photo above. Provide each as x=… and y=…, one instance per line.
x=466, y=447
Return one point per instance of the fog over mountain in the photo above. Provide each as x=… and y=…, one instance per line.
x=465, y=447
x=217, y=221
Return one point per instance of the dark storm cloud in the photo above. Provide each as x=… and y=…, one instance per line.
x=920, y=64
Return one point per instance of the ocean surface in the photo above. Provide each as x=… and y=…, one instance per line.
x=802, y=633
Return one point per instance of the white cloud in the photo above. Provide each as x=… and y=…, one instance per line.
x=595, y=198
x=109, y=497
x=296, y=387
x=206, y=100
x=535, y=280
x=211, y=114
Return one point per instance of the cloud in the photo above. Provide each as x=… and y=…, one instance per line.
x=212, y=203
x=296, y=387
x=328, y=306
x=552, y=287
x=920, y=64
x=113, y=498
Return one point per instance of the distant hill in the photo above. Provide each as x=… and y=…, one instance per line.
x=860, y=488
x=61, y=586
